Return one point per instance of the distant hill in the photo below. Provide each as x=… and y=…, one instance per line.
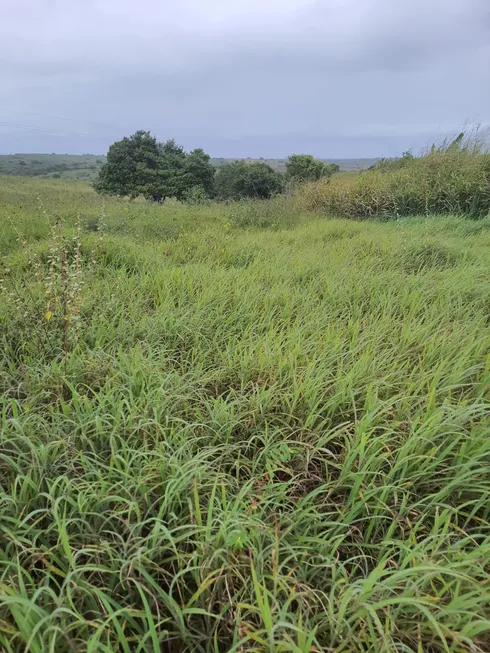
x=280, y=164
x=58, y=166
x=86, y=166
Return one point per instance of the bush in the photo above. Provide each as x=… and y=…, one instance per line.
x=304, y=167
x=444, y=180
x=241, y=180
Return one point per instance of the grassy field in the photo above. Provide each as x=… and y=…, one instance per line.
x=241, y=428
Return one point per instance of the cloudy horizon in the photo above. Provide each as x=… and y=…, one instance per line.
x=243, y=78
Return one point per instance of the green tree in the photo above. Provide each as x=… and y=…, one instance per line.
x=170, y=181
x=132, y=166
x=140, y=165
x=304, y=167
x=254, y=180
x=199, y=174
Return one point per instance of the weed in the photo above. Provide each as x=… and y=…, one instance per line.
x=254, y=438
x=444, y=180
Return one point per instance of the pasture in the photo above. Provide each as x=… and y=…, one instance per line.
x=241, y=428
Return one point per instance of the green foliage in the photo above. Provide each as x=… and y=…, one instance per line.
x=331, y=168
x=139, y=165
x=388, y=165
x=453, y=179
x=64, y=166
x=199, y=174
x=260, y=440
x=279, y=212
x=132, y=167
x=247, y=180
x=304, y=167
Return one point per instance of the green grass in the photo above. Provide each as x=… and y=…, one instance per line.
x=450, y=179
x=261, y=434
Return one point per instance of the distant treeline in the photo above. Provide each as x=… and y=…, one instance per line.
x=87, y=166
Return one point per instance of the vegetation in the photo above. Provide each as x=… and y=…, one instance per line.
x=304, y=167
x=247, y=180
x=64, y=166
x=279, y=165
x=139, y=165
x=87, y=166
x=238, y=427
x=452, y=179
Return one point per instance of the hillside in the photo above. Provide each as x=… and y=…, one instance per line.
x=59, y=166
x=86, y=166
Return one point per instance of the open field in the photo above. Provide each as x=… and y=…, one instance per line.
x=257, y=430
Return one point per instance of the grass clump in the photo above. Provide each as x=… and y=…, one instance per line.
x=260, y=439
x=451, y=179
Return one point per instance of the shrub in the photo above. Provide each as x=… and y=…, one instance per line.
x=241, y=180
x=444, y=180
x=304, y=167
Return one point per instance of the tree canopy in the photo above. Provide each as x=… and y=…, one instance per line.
x=240, y=180
x=140, y=165
x=304, y=167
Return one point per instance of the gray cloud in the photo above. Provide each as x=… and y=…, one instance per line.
x=243, y=78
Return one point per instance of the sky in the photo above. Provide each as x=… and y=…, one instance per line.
x=243, y=78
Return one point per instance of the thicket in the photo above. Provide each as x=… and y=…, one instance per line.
x=451, y=179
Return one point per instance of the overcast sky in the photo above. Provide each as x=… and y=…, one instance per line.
x=335, y=78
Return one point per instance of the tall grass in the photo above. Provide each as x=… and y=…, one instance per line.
x=450, y=179
x=261, y=439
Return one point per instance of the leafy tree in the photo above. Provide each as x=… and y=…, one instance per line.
x=140, y=165
x=304, y=167
x=132, y=167
x=199, y=174
x=241, y=179
x=170, y=181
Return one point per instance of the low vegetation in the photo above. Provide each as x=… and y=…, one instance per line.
x=241, y=427
x=451, y=179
